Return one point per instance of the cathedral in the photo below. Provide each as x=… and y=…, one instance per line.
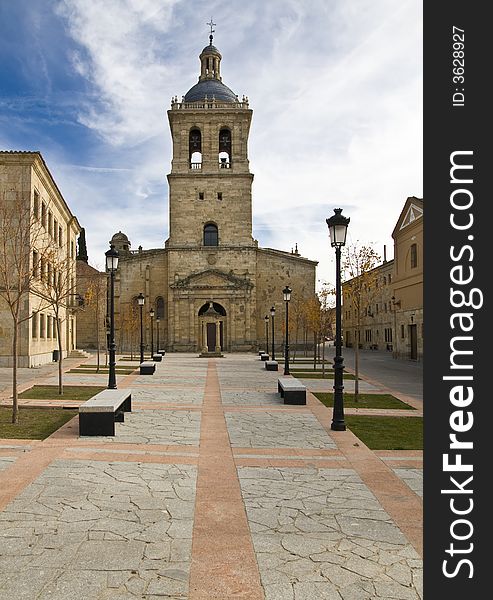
x=211, y=286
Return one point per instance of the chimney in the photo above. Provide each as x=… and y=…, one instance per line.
x=384, y=253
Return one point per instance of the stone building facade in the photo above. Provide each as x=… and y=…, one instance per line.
x=210, y=260
x=392, y=319
x=92, y=286
x=49, y=233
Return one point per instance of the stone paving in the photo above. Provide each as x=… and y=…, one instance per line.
x=276, y=430
x=93, y=527
x=212, y=488
x=321, y=533
x=157, y=427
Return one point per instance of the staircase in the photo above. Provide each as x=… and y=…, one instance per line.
x=78, y=354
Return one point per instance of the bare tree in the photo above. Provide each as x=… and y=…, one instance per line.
x=129, y=326
x=22, y=250
x=57, y=289
x=358, y=265
x=95, y=306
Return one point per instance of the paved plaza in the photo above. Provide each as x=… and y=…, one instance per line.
x=211, y=488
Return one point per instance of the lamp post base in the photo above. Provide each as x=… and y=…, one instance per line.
x=338, y=426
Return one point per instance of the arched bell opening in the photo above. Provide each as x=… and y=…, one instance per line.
x=195, y=148
x=225, y=148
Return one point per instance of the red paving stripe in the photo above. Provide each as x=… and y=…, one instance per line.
x=15, y=478
x=398, y=500
x=223, y=560
x=113, y=457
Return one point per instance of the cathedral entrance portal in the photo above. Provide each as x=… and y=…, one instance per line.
x=212, y=319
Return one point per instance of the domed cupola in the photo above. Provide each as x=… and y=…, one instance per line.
x=210, y=84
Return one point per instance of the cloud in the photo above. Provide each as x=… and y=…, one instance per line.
x=335, y=88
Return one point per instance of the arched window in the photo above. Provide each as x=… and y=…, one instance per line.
x=195, y=148
x=414, y=256
x=225, y=148
x=160, y=307
x=211, y=237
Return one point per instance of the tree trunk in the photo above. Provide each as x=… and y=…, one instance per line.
x=356, y=365
x=98, y=341
x=314, y=350
x=60, y=358
x=323, y=357
x=15, y=405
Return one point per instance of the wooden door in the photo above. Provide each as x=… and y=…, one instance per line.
x=211, y=337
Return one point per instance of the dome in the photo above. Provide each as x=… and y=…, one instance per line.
x=119, y=237
x=210, y=88
x=210, y=49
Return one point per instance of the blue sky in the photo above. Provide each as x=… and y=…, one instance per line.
x=335, y=86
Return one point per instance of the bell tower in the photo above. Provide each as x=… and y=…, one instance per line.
x=210, y=184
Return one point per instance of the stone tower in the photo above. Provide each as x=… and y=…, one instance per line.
x=210, y=198
x=211, y=285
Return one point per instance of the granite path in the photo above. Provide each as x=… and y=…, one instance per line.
x=212, y=488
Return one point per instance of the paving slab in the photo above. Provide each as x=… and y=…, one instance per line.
x=211, y=488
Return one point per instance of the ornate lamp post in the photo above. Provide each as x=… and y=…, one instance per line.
x=141, y=300
x=158, y=319
x=272, y=314
x=111, y=267
x=338, y=225
x=266, y=319
x=151, y=314
x=287, y=297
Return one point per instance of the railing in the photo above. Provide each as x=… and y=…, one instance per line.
x=207, y=104
x=197, y=166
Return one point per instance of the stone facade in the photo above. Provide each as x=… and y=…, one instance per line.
x=91, y=318
x=393, y=319
x=210, y=256
x=50, y=232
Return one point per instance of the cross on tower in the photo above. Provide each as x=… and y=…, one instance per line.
x=211, y=25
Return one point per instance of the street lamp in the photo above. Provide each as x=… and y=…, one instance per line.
x=158, y=319
x=287, y=297
x=337, y=229
x=266, y=319
x=272, y=314
x=141, y=300
x=151, y=314
x=111, y=267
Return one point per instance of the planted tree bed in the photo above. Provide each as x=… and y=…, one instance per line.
x=329, y=374
x=365, y=401
x=34, y=423
x=70, y=392
x=387, y=433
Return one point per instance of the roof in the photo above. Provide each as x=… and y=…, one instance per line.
x=32, y=156
x=210, y=88
x=210, y=49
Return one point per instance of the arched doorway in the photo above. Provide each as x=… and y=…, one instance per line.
x=212, y=318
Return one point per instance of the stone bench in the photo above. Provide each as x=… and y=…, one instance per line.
x=97, y=416
x=157, y=357
x=271, y=365
x=147, y=367
x=264, y=357
x=292, y=390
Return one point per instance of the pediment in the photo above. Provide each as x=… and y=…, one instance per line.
x=212, y=279
x=413, y=212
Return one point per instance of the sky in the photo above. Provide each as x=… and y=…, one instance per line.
x=335, y=87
